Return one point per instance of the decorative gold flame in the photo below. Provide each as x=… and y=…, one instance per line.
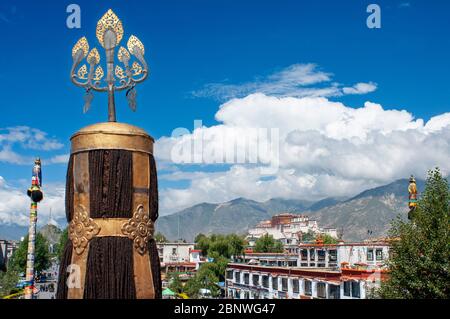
x=81, y=44
x=109, y=21
x=134, y=42
x=123, y=54
x=94, y=56
x=82, y=72
x=136, y=68
x=99, y=73
x=119, y=72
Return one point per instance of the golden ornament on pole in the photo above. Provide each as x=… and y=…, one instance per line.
x=111, y=188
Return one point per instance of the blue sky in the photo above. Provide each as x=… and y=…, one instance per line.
x=197, y=49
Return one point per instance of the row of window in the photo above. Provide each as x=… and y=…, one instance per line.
x=321, y=255
x=351, y=288
x=378, y=254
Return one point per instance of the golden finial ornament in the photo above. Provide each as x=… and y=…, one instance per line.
x=82, y=72
x=93, y=57
x=119, y=72
x=99, y=74
x=81, y=44
x=116, y=78
x=109, y=21
x=123, y=55
x=134, y=42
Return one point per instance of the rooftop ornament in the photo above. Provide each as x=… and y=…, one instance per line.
x=90, y=75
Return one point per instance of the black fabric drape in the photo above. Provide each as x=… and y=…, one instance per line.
x=61, y=291
x=109, y=267
x=69, y=190
x=111, y=183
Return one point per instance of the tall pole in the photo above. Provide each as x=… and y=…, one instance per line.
x=35, y=194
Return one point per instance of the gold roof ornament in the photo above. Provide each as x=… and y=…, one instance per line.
x=93, y=57
x=82, y=45
x=133, y=43
x=123, y=55
x=109, y=21
x=82, y=72
x=99, y=73
x=92, y=78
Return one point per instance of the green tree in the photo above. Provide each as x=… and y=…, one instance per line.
x=62, y=243
x=328, y=240
x=267, y=244
x=175, y=283
x=309, y=236
x=419, y=260
x=203, y=244
x=8, y=282
x=18, y=260
x=205, y=278
x=236, y=244
x=160, y=238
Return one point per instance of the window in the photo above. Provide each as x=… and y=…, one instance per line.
x=308, y=287
x=229, y=274
x=333, y=292
x=312, y=256
x=369, y=254
x=321, y=255
x=295, y=286
x=304, y=254
x=174, y=251
x=347, y=288
x=356, y=291
x=255, y=280
x=275, y=283
x=379, y=254
x=284, y=284
x=237, y=277
x=246, y=279
x=332, y=255
x=321, y=290
x=265, y=281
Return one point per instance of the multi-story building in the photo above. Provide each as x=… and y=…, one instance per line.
x=179, y=257
x=7, y=248
x=341, y=271
x=288, y=228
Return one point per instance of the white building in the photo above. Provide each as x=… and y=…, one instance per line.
x=179, y=257
x=342, y=271
x=288, y=228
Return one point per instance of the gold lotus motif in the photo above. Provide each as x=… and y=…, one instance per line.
x=134, y=42
x=119, y=72
x=109, y=21
x=123, y=54
x=136, y=68
x=81, y=44
x=94, y=56
x=82, y=72
x=99, y=73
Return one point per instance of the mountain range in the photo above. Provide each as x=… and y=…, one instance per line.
x=370, y=211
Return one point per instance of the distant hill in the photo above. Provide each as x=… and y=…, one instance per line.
x=371, y=210
x=52, y=233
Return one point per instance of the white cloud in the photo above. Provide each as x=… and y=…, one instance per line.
x=294, y=81
x=360, y=88
x=326, y=149
x=27, y=138
x=15, y=204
